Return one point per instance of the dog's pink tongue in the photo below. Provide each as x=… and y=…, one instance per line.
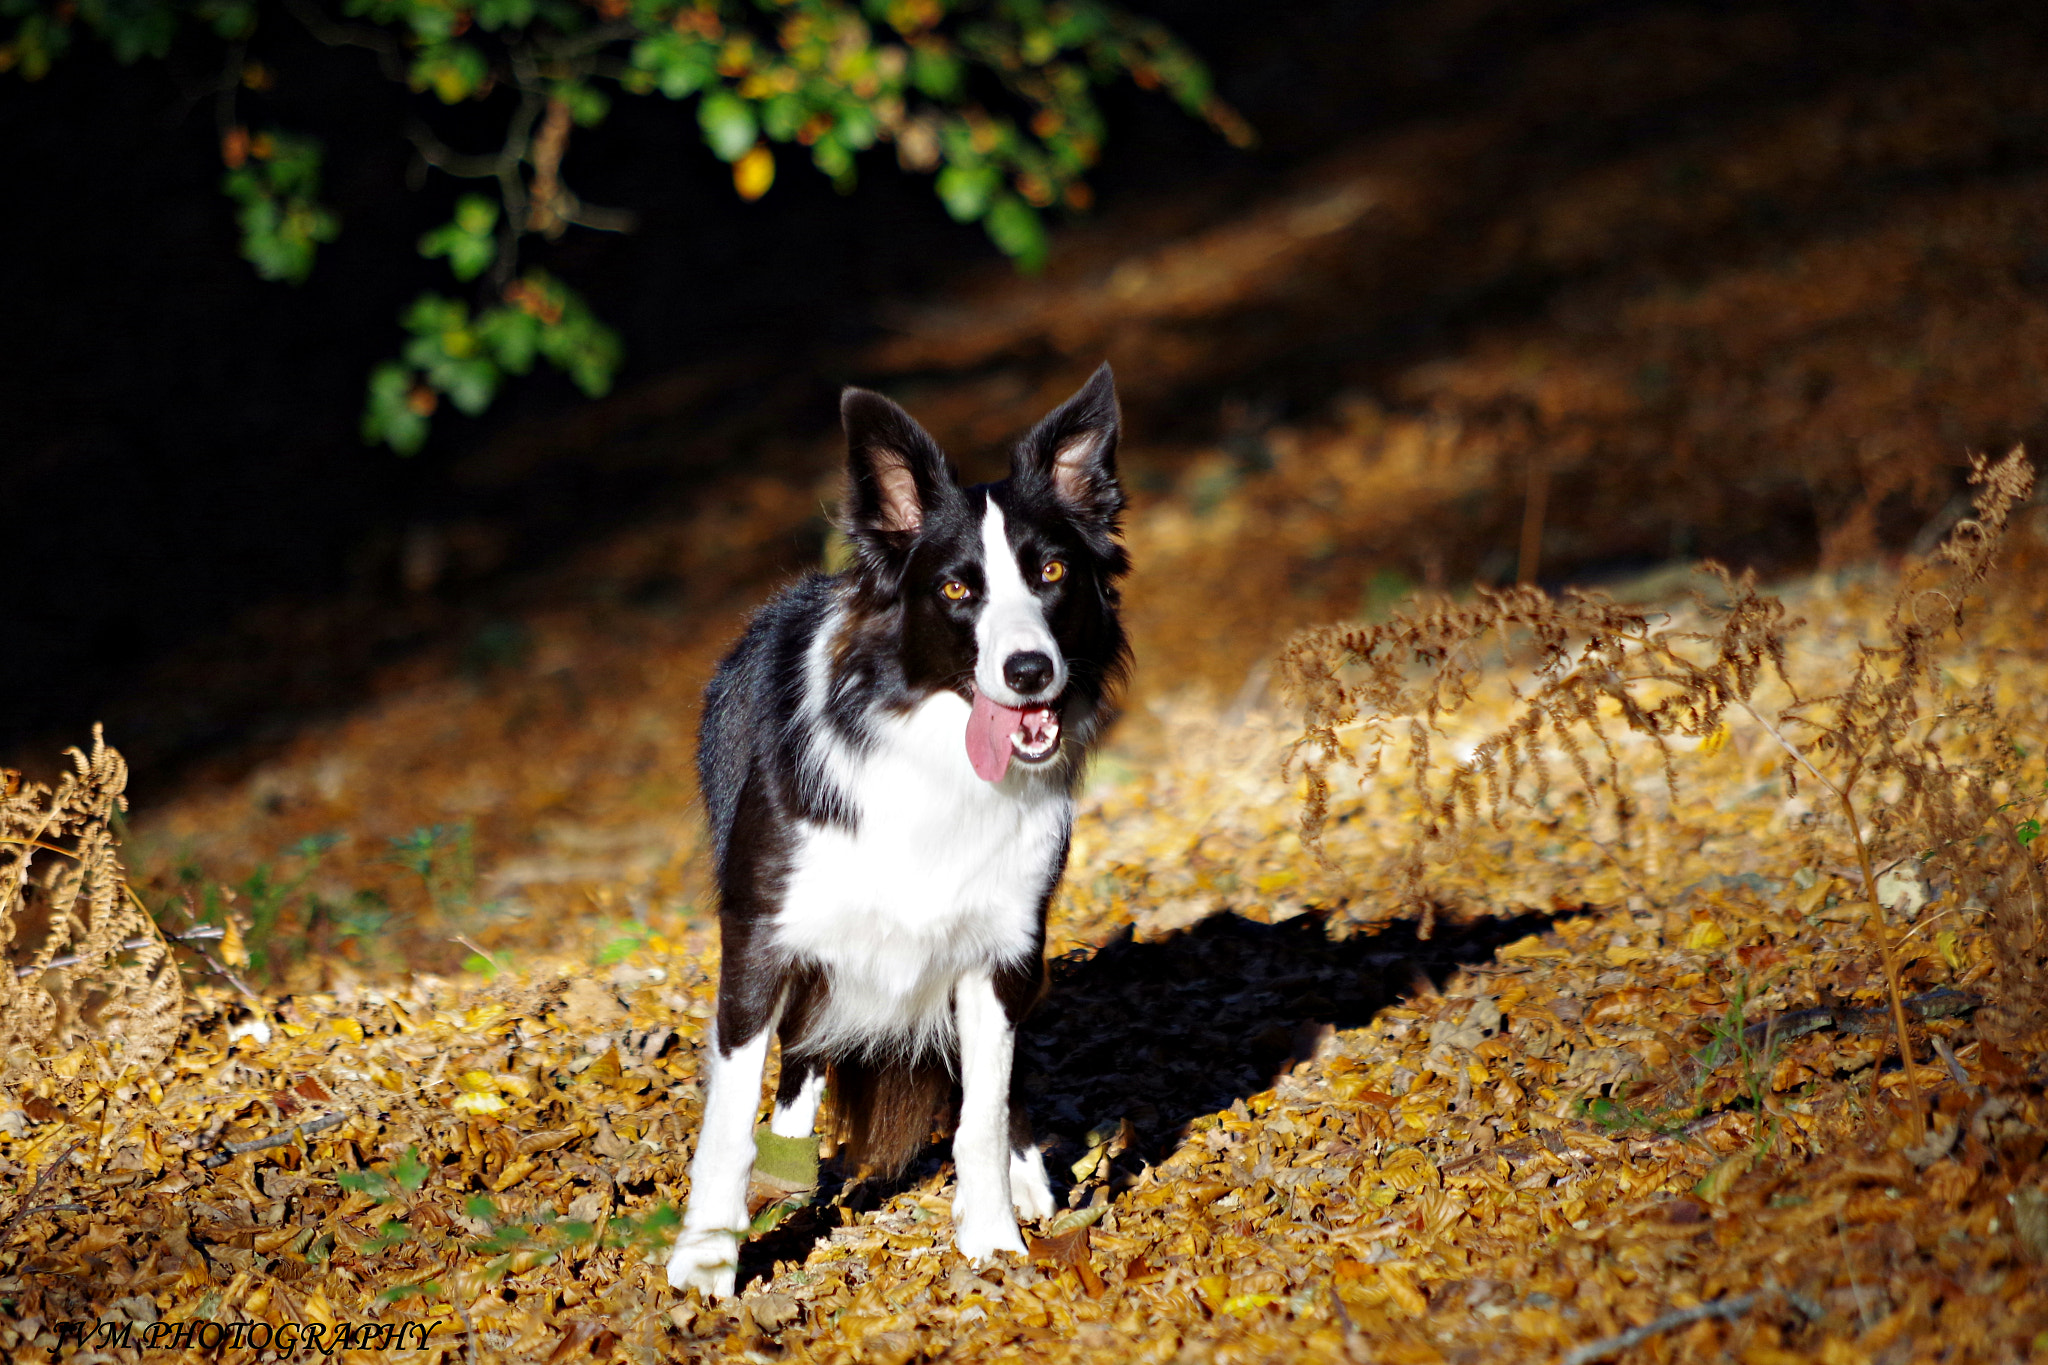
x=989, y=727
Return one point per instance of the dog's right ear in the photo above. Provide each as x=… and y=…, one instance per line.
x=894, y=472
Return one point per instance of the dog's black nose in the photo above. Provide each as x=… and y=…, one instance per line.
x=1028, y=672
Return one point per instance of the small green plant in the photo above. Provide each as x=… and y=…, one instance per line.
x=624, y=941
x=513, y=1243
x=266, y=896
x=394, y=1189
x=517, y=1243
x=443, y=857
x=1731, y=1046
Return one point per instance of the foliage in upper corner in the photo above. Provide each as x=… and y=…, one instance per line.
x=993, y=97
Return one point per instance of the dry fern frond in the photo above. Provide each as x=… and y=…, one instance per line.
x=1918, y=766
x=1572, y=665
x=68, y=920
x=1952, y=754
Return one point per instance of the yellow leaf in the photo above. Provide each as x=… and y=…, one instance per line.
x=1835, y=1351
x=1406, y=1168
x=347, y=1028
x=1814, y=897
x=478, y=1082
x=1715, y=1184
x=1247, y=1303
x=1950, y=948
x=753, y=173
x=470, y=1102
x=232, y=950
x=1714, y=743
x=1530, y=949
x=1705, y=934
x=1277, y=881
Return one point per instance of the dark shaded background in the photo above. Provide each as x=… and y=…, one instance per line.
x=180, y=441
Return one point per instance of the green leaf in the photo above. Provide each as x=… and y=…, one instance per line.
x=936, y=72
x=781, y=116
x=431, y=313
x=512, y=336
x=469, y=242
x=2028, y=831
x=830, y=155
x=492, y=15
x=791, y=1160
x=392, y=1233
x=375, y=1184
x=966, y=190
x=409, y=1170
x=587, y=104
x=1017, y=229
x=679, y=64
x=453, y=71
x=282, y=226
x=231, y=19
x=728, y=123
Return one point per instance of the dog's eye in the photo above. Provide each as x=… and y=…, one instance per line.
x=955, y=590
x=1053, y=571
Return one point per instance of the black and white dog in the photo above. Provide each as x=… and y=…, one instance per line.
x=888, y=759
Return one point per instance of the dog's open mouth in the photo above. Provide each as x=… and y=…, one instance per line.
x=996, y=733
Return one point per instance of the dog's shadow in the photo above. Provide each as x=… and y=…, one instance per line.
x=1165, y=1031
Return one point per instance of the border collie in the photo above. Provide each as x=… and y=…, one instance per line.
x=888, y=759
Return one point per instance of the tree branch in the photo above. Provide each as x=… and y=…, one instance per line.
x=442, y=157
x=389, y=54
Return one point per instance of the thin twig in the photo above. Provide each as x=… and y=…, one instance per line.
x=228, y=1151
x=42, y=1178
x=1887, y=956
x=133, y=945
x=1677, y=1317
x=469, y=943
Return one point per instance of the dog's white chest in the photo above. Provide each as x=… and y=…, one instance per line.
x=943, y=874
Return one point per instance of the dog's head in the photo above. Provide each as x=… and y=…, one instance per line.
x=1004, y=593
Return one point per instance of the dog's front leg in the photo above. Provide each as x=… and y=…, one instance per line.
x=983, y=1223
x=707, y=1250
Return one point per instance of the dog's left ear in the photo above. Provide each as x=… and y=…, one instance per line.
x=1074, y=450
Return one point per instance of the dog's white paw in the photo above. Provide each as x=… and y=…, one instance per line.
x=1030, y=1191
x=705, y=1261
x=981, y=1238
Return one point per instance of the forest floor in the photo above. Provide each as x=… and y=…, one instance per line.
x=1292, y=1117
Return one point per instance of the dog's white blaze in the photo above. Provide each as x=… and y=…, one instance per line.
x=983, y=1223
x=1012, y=621
x=942, y=878
x=799, y=1117
x=707, y=1251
